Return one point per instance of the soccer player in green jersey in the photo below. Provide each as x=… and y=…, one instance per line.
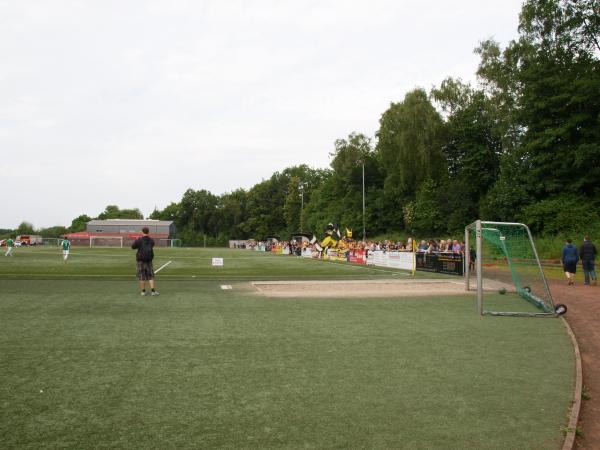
x=9, y=247
x=66, y=246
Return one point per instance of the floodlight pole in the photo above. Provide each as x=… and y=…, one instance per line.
x=467, y=260
x=301, y=187
x=364, y=238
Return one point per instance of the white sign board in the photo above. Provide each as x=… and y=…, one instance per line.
x=217, y=262
x=397, y=260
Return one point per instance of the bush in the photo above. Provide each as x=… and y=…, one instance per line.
x=562, y=215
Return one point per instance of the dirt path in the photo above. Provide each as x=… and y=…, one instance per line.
x=584, y=318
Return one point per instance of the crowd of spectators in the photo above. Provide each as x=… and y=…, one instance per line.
x=431, y=246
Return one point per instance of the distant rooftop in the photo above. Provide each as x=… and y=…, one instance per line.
x=165, y=223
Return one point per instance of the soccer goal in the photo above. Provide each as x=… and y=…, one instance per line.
x=51, y=241
x=106, y=241
x=509, y=277
x=169, y=242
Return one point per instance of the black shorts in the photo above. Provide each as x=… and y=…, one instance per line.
x=145, y=271
x=570, y=267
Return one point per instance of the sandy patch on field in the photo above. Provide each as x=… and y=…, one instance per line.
x=360, y=288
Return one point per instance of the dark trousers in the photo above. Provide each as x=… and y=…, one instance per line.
x=588, y=270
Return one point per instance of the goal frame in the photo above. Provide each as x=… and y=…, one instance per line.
x=173, y=243
x=119, y=238
x=478, y=226
x=55, y=242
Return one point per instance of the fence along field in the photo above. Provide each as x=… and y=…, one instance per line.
x=90, y=363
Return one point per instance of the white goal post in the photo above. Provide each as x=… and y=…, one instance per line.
x=106, y=241
x=508, y=270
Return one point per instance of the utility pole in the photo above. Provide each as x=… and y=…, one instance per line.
x=364, y=237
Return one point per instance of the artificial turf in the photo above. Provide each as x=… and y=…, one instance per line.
x=88, y=363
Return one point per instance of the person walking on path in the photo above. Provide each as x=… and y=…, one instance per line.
x=587, y=252
x=569, y=259
x=144, y=256
x=10, y=244
x=66, y=247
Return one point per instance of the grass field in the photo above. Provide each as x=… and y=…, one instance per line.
x=89, y=363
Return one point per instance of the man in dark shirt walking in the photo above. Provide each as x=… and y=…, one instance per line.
x=569, y=259
x=144, y=257
x=587, y=253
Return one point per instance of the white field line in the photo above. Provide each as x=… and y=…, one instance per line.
x=163, y=266
x=130, y=255
x=3, y=276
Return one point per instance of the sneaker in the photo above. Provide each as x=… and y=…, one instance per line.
x=155, y=293
x=142, y=293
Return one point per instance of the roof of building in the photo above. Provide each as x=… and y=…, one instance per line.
x=161, y=223
x=87, y=235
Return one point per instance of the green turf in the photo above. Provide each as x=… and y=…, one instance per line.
x=119, y=263
x=88, y=363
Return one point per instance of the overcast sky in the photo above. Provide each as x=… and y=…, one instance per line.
x=133, y=102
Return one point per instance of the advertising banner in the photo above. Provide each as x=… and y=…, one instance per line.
x=397, y=260
x=449, y=263
x=357, y=257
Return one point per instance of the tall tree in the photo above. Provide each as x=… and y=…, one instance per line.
x=472, y=147
x=410, y=143
x=554, y=75
x=409, y=151
x=25, y=228
x=292, y=206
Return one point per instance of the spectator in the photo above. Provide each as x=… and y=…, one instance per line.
x=569, y=259
x=456, y=248
x=587, y=251
x=431, y=247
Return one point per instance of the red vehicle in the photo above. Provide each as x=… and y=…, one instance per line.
x=26, y=239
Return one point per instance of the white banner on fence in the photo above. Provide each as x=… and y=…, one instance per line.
x=397, y=260
x=307, y=253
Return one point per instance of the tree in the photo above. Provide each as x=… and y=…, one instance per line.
x=171, y=212
x=293, y=203
x=551, y=78
x=53, y=232
x=410, y=143
x=25, y=228
x=346, y=184
x=472, y=148
x=423, y=215
x=232, y=211
x=113, y=212
x=79, y=223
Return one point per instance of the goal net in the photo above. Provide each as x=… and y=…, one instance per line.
x=106, y=241
x=509, y=279
x=51, y=241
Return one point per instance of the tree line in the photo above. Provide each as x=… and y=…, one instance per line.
x=523, y=144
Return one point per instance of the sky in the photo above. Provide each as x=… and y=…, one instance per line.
x=131, y=103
